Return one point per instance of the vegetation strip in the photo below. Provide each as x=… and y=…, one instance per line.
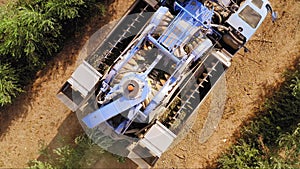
x=271, y=140
x=31, y=33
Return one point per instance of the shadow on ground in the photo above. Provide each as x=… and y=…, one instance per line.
x=67, y=135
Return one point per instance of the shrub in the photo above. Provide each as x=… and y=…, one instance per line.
x=27, y=33
x=64, y=10
x=31, y=32
x=8, y=84
x=40, y=165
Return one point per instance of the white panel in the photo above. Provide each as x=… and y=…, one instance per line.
x=160, y=137
x=86, y=76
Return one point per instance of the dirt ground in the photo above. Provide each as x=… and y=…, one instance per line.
x=38, y=118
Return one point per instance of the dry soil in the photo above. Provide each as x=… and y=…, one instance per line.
x=38, y=118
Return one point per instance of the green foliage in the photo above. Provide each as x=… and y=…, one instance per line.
x=40, y=165
x=31, y=32
x=83, y=155
x=290, y=144
x=8, y=84
x=296, y=87
x=244, y=156
x=101, y=9
x=121, y=159
x=63, y=10
x=271, y=140
x=26, y=33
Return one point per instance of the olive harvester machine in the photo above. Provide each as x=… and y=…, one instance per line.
x=136, y=91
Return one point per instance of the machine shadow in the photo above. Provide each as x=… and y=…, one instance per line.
x=66, y=135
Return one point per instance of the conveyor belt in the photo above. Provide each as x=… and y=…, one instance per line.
x=123, y=33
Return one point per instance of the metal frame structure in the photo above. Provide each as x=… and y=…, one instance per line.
x=143, y=87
